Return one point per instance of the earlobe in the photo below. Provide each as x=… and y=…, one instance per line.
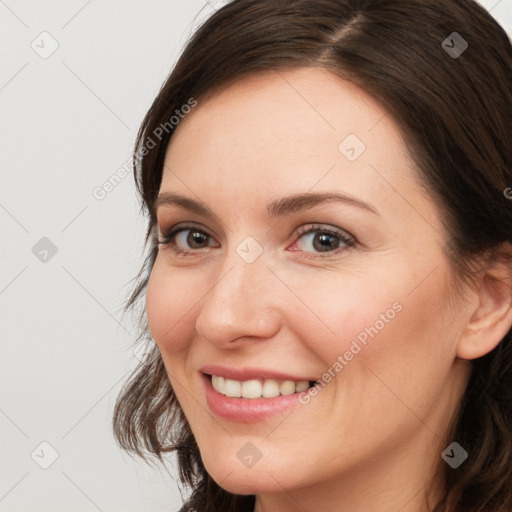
x=492, y=319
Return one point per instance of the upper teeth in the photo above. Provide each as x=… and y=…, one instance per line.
x=256, y=388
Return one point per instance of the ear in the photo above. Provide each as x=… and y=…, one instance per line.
x=491, y=319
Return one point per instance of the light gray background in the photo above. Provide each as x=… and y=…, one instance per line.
x=68, y=122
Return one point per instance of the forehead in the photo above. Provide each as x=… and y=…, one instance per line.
x=282, y=132
x=293, y=108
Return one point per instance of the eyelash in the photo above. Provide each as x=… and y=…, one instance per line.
x=345, y=239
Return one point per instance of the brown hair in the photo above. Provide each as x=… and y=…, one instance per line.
x=455, y=114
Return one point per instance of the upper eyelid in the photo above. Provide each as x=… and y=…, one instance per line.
x=176, y=229
x=162, y=230
x=315, y=226
x=192, y=225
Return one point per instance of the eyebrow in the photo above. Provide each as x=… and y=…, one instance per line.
x=278, y=208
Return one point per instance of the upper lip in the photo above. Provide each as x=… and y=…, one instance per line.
x=248, y=373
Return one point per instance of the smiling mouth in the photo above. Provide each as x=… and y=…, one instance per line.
x=258, y=388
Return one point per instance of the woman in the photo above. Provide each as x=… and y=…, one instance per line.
x=329, y=279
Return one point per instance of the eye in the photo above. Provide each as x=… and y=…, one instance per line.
x=186, y=239
x=323, y=239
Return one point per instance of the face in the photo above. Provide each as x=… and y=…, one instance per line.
x=268, y=279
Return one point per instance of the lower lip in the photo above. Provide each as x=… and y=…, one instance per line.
x=246, y=410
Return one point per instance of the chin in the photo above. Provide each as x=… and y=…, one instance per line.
x=249, y=484
x=237, y=479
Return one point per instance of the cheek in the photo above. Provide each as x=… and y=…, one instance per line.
x=344, y=313
x=169, y=309
x=408, y=359
x=395, y=327
x=156, y=305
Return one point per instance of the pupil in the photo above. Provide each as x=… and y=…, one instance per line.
x=325, y=241
x=195, y=237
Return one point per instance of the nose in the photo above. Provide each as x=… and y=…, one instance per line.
x=240, y=305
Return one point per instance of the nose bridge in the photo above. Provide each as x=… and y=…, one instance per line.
x=238, y=302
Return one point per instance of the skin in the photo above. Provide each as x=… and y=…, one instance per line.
x=371, y=439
